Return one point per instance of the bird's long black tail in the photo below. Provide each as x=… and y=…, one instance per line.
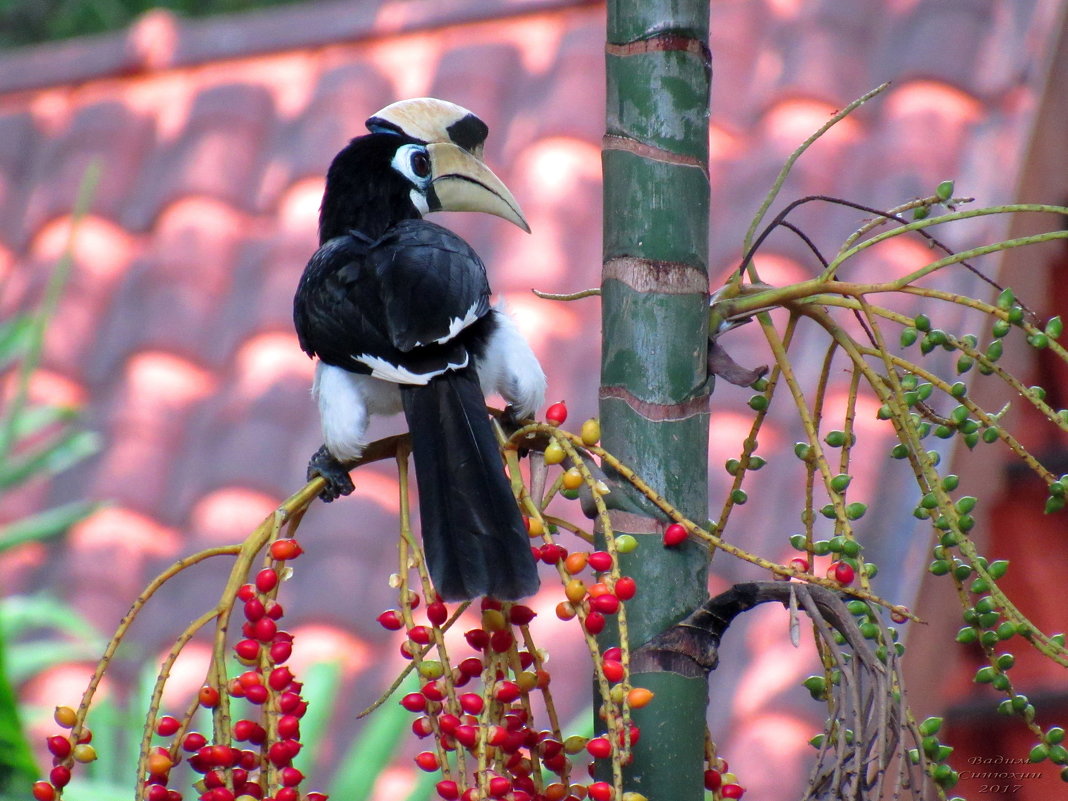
x=473, y=534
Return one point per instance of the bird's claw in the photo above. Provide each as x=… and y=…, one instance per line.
x=324, y=465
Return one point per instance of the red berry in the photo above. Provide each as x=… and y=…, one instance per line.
x=551, y=553
x=472, y=666
x=250, y=678
x=194, y=741
x=613, y=670
x=557, y=413
x=281, y=651
x=59, y=776
x=732, y=791
x=414, y=702
x=288, y=703
x=287, y=794
x=467, y=736
x=448, y=789
x=244, y=730
x=421, y=727
x=264, y=629
x=842, y=572
x=433, y=691
x=279, y=754
x=477, y=639
x=605, y=604
x=713, y=780
x=254, y=610
x=246, y=650
x=448, y=723
x=501, y=641
x=626, y=588
x=471, y=703
x=437, y=613
x=279, y=679
x=427, y=760
x=594, y=623
x=267, y=579
x=599, y=748
x=521, y=615
x=506, y=691
x=285, y=549
x=600, y=561
x=499, y=786
x=390, y=619
x=600, y=791
x=274, y=610
x=59, y=746
x=419, y=634
x=899, y=614
x=156, y=792
x=615, y=653
x=209, y=696
x=246, y=592
x=674, y=534
x=291, y=776
x=167, y=726
x=43, y=791
x=799, y=563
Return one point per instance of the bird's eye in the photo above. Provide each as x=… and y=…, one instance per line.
x=420, y=163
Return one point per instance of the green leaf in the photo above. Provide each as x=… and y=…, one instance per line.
x=53, y=456
x=369, y=755
x=321, y=684
x=18, y=770
x=44, y=525
x=14, y=337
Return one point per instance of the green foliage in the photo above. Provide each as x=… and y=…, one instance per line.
x=24, y=22
x=36, y=441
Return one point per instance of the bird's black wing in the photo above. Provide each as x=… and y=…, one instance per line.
x=399, y=308
x=433, y=284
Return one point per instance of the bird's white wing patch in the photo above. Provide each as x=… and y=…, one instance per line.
x=458, y=324
x=388, y=371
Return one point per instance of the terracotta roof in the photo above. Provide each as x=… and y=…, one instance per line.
x=214, y=136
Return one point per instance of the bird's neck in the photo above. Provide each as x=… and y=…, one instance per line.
x=363, y=206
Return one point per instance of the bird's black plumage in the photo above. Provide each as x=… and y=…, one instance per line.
x=402, y=299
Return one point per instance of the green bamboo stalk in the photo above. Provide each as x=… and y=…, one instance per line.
x=653, y=367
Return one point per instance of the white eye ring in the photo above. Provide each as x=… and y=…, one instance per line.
x=413, y=162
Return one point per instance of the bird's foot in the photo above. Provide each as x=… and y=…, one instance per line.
x=511, y=422
x=333, y=472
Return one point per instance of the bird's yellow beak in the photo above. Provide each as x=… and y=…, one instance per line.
x=461, y=182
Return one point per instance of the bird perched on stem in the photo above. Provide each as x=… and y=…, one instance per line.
x=397, y=310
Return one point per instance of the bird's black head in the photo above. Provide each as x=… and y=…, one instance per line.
x=385, y=177
x=376, y=181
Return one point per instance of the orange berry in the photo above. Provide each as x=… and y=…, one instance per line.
x=572, y=479
x=576, y=562
x=83, y=752
x=575, y=590
x=159, y=764
x=639, y=697
x=65, y=717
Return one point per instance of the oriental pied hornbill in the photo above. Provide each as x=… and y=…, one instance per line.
x=397, y=311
